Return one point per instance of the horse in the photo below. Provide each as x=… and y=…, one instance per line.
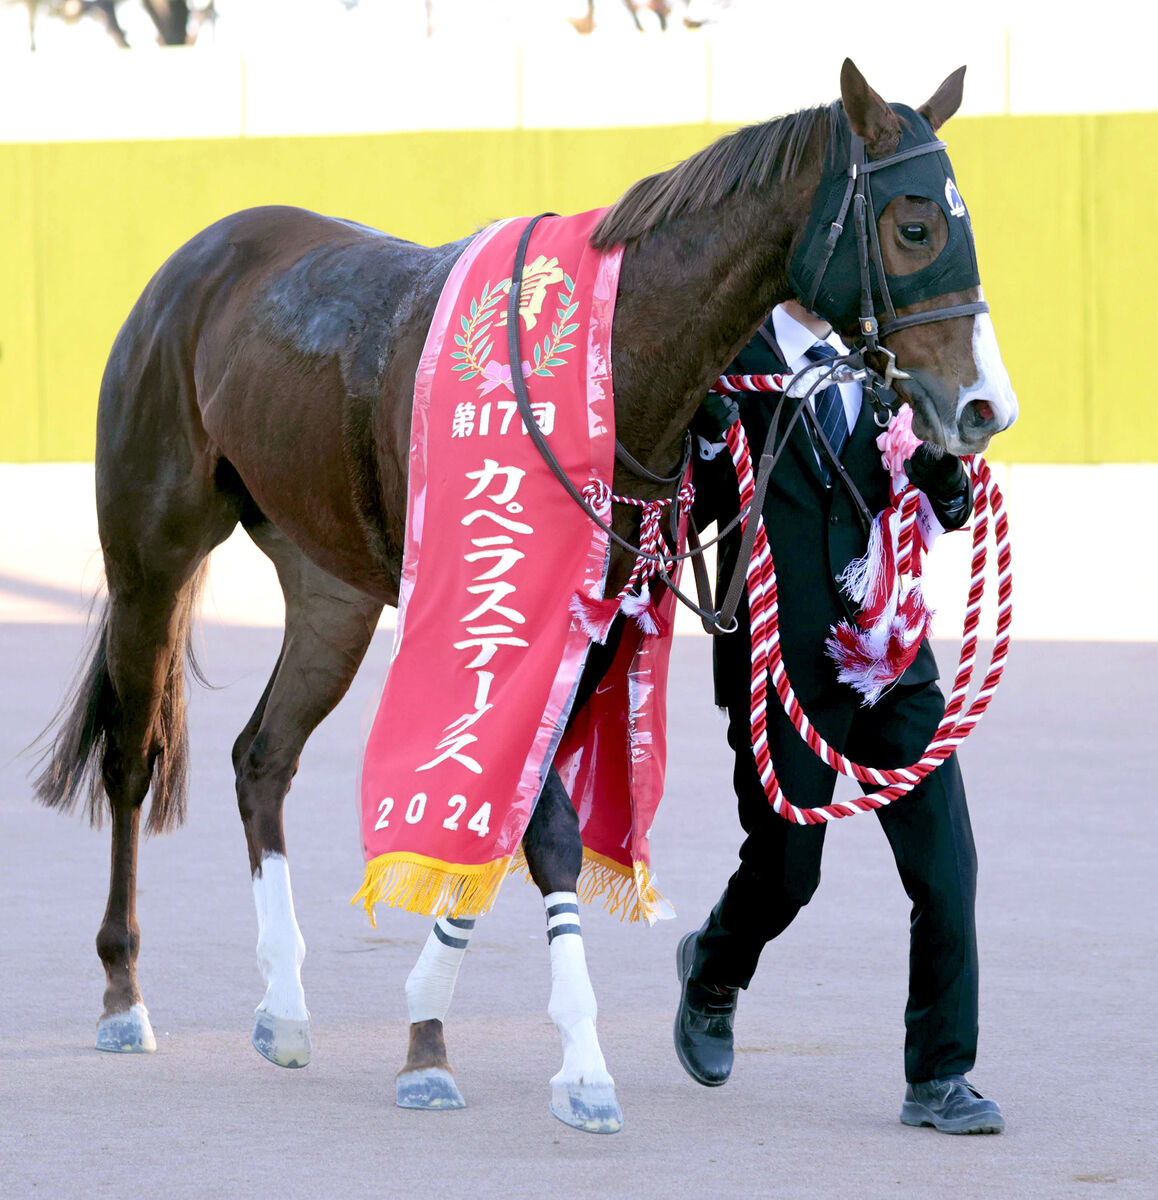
x=265, y=377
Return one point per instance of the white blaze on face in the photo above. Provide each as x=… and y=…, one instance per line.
x=992, y=383
x=280, y=946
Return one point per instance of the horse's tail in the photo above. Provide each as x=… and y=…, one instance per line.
x=73, y=758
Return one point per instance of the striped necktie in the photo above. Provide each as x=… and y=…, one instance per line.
x=829, y=408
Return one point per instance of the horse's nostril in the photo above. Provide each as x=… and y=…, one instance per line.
x=978, y=417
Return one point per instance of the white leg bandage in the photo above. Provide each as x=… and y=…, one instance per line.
x=430, y=986
x=280, y=947
x=572, y=1005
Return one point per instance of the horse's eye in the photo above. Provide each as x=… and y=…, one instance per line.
x=915, y=232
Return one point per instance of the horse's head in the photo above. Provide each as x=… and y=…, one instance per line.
x=888, y=254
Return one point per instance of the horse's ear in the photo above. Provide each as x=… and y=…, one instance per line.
x=868, y=115
x=945, y=101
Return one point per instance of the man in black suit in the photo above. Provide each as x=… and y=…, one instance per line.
x=815, y=527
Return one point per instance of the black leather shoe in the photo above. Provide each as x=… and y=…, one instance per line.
x=952, y=1105
x=703, y=1023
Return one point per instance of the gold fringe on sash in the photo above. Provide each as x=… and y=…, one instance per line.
x=626, y=892
x=430, y=886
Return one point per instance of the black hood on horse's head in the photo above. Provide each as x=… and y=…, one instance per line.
x=928, y=175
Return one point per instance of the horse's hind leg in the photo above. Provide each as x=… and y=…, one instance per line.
x=583, y=1092
x=154, y=559
x=328, y=628
x=426, y=1081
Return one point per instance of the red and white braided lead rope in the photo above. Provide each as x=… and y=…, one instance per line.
x=752, y=383
x=767, y=662
x=634, y=599
x=652, y=548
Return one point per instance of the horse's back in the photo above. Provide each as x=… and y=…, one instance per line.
x=206, y=286
x=286, y=343
x=320, y=286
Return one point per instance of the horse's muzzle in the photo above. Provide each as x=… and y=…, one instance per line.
x=980, y=417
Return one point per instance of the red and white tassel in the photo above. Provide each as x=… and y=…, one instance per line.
x=642, y=607
x=885, y=583
x=595, y=616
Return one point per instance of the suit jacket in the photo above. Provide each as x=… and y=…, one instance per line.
x=814, y=532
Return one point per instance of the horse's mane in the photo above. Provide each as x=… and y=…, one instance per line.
x=746, y=160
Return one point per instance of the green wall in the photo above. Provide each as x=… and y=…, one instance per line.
x=1063, y=207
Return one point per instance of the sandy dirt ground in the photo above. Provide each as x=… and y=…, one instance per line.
x=1061, y=790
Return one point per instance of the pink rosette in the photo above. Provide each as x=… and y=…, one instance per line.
x=897, y=443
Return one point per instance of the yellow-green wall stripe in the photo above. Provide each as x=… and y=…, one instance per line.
x=1064, y=208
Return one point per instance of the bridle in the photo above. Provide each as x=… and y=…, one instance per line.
x=858, y=194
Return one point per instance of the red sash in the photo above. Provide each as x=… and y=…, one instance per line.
x=486, y=652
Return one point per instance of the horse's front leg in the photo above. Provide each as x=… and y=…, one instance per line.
x=427, y=1081
x=583, y=1092
x=328, y=628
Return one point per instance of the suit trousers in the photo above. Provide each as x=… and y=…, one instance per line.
x=931, y=839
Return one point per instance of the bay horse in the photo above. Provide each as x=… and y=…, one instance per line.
x=265, y=377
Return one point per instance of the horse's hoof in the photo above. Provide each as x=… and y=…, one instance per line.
x=431, y=1088
x=591, y=1107
x=283, y=1041
x=126, y=1032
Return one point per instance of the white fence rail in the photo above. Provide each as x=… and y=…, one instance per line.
x=1077, y=570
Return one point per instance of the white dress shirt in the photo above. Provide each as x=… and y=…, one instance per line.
x=794, y=340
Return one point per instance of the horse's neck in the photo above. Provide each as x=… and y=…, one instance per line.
x=691, y=294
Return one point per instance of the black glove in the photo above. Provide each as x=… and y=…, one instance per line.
x=720, y=411
x=943, y=478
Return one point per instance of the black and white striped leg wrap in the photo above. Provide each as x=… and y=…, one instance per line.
x=430, y=985
x=562, y=914
x=572, y=1005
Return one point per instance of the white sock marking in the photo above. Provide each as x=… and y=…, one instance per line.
x=280, y=946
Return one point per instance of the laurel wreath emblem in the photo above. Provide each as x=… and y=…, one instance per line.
x=476, y=342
